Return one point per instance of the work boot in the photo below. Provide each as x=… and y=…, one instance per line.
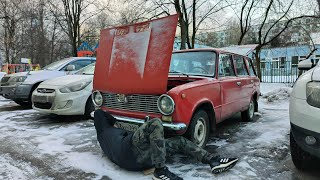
x=164, y=174
x=219, y=165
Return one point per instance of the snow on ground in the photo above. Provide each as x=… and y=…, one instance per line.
x=40, y=146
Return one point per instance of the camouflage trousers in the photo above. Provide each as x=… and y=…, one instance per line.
x=150, y=145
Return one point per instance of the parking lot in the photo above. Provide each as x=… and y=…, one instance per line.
x=42, y=146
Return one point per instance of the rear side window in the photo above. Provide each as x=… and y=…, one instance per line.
x=226, y=66
x=251, y=69
x=240, y=66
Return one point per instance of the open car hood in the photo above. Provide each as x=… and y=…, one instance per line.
x=135, y=59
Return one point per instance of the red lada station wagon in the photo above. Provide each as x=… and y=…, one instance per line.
x=137, y=77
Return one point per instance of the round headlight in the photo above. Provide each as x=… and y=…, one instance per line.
x=97, y=98
x=165, y=104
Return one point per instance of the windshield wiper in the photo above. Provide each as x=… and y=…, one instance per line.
x=179, y=73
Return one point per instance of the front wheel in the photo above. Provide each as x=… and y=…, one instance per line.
x=198, y=131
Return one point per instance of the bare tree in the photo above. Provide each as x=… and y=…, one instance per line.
x=10, y=17
x=247, y=10
x=192, y=16
x=74, y=14
x=269, y=28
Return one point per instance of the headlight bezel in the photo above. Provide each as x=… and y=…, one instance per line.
x=93, y=97
x=159, y=104
x=74, y=87
x=313, y=93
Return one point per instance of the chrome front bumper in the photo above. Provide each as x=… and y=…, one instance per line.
x=173, y=126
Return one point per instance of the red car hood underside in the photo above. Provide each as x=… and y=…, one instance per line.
x=135, y=59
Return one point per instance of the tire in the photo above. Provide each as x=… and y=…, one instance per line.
x=302, y=160
x=24, y=104
x=89, y=108
x=248, y=114
x=199, y=131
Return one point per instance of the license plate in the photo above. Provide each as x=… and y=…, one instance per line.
x=127, y=126
x=40, y=99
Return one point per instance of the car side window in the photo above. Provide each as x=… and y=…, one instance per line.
x=226, y=66
x=78, y=64
x=251, y=69
x=240, y=66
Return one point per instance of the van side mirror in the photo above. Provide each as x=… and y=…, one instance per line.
x=71, y=67
x=306, y=64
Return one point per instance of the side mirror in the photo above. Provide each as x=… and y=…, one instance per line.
x=71, y=67
x=306, y=64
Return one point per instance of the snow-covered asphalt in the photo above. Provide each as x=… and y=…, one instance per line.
x=42, y=146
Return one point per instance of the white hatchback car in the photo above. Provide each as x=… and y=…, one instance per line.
x=66, y=95
x=305, y=116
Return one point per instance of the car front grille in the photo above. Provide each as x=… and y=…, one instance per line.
x=5, y=79
x=134, y=102
x=39, y=105
x=44, y=90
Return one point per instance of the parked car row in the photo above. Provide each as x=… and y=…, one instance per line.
x=53, y=89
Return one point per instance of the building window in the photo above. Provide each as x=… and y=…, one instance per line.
x=282, y=62
x=294, y=61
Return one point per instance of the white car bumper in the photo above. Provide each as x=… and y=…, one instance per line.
x=60, y=103
x=304, y=115
x=305, y=124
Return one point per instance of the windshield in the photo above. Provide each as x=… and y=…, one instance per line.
x=88, y=70
x=55, y=65
x=193, y=63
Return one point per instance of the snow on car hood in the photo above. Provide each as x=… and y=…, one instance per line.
x=68, y=79
x=316, y=74
x=38, y=76
x=135, y=58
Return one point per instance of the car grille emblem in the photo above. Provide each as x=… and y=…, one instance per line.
x=42, y=90
x=122, y=98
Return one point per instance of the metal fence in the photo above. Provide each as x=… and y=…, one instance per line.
x=279, y=72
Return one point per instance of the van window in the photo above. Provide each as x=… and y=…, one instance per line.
x=240, y=66
x=251, y=69
x=226, y=66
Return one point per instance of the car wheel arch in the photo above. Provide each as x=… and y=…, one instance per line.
x=87, y=114
x=34, y=87
x=209, y=108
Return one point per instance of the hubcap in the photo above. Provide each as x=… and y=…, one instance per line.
x=200, y=132
x=251, y=109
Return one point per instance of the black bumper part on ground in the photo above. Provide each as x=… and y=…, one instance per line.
x=300, y=134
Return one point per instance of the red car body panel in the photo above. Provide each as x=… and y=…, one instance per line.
x=136, y=58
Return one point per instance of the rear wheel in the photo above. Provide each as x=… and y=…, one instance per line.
x=198, y=131
x=89, y=108
x=302, y=160
x=248, y=114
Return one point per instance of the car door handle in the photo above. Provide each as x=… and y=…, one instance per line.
x=252, y=81
x=238, y=83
